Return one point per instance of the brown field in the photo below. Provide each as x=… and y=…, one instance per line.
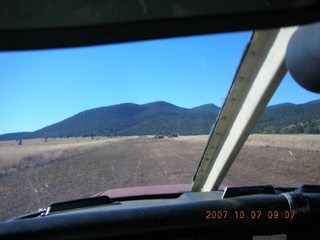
x=37, y=173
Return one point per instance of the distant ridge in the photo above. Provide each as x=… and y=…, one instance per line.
x=207, y=107
x=14, y=136
x=160, y=117
x=289, y=118
x=314, y=102
x=129, y=119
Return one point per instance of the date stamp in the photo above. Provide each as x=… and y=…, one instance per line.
x=255, y=214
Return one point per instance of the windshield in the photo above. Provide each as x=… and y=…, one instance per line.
x=76, y=122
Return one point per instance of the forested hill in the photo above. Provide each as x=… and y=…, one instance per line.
x=130, y=119
x=165, y=118
x=288, y=118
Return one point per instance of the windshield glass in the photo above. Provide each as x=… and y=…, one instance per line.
x=76, y=122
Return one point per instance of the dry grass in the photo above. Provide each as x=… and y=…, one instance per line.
x=38, y=172
x=33, y=151
x=13, y=155
x=290, y=141
x=115, y=163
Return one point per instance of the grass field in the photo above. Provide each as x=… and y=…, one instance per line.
x=291, y=141
x=38, y=172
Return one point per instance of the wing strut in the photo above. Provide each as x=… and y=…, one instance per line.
x=260, y=72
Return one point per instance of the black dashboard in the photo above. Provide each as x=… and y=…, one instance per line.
x=253, y=212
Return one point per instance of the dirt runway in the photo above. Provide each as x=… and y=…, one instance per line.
x=63, y=169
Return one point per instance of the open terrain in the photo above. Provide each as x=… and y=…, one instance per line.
x=39, y=171
x=129, y=119
x=277, y=159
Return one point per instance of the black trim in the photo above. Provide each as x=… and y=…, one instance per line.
x=144, y=30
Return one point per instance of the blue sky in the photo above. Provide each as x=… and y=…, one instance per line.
x=39, y=88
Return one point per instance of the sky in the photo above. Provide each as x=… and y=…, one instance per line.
x=39, y=88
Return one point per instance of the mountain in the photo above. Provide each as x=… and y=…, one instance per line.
x=207, y=107
x=14, y=136
x=164, y=118
x=290, y=118
x=130, y=119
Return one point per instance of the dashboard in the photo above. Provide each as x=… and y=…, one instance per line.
x=252, y=212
